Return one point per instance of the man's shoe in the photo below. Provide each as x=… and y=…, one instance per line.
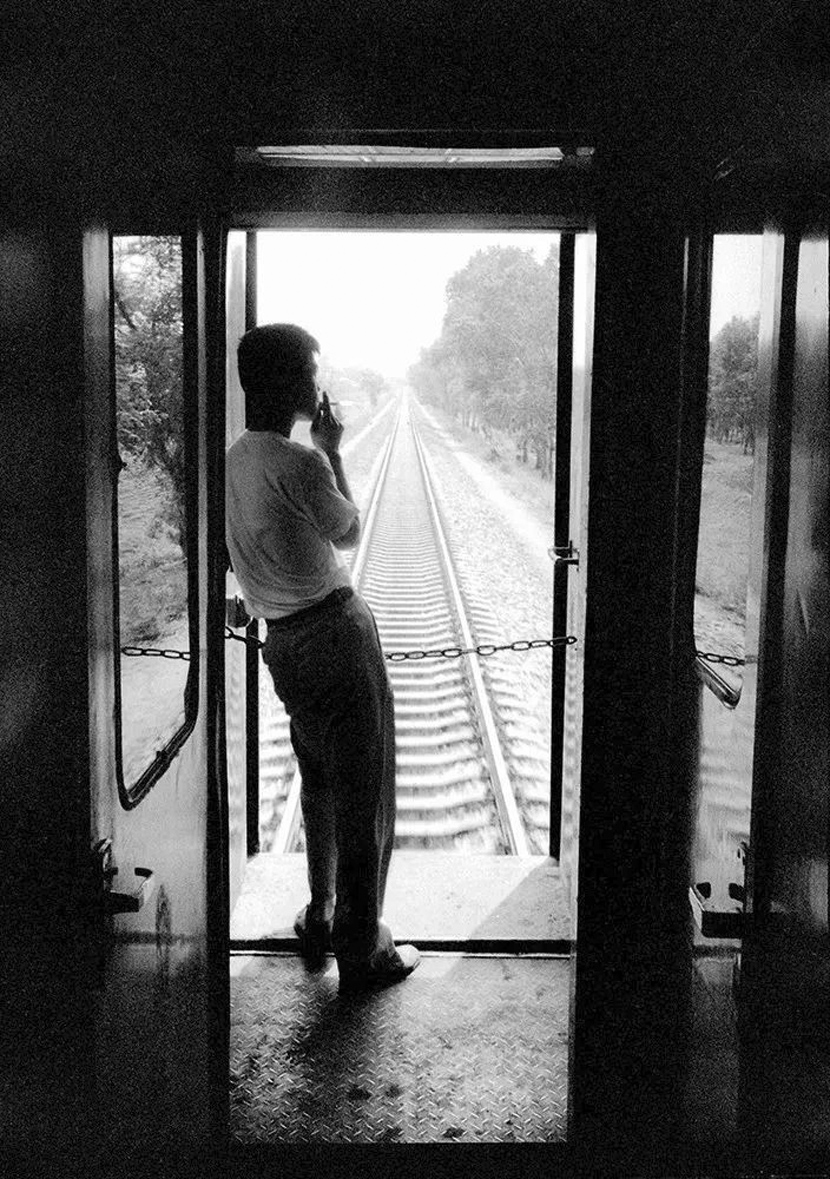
x=393, y=968
x=315, y=938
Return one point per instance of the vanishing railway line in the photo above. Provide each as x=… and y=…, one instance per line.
x=453, y=782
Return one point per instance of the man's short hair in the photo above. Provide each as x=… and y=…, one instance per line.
x=271, y=356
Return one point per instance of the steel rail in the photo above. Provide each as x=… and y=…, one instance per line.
x=478, y=702
x=511, y=821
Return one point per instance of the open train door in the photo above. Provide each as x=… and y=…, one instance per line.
x=782, y=980
x=241, y=704
x=153, y=982
x=576, y=333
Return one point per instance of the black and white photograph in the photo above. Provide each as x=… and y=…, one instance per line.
x=415, y=644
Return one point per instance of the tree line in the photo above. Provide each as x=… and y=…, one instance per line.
x=494, y=365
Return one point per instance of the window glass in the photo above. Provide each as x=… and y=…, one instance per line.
x=152, y=590
x=728, y=458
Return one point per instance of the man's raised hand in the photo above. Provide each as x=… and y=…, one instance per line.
x=326, y=429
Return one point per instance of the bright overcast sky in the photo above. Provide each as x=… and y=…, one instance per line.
x=736, y=278
x=375, y=299
x=371, y=299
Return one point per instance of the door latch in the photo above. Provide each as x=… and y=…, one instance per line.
x=109, y=901
x=562, y=554
x=716, y=922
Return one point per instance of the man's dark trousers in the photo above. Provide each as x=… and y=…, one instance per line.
x=329, y=672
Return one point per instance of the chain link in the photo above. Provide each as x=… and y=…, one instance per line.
x=483, y=649
x=243, y=638
x=156, y=652
x=726, y=660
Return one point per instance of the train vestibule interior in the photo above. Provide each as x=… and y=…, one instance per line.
x=458, y=358
x=570, y=277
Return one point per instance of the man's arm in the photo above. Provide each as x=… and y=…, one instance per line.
x=349, y=539
x=326, y=432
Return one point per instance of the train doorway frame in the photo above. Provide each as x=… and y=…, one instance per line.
x=565, y=667
x=568, y=228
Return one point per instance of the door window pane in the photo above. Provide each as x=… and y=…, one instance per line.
x=152, y=515
x=728, y=459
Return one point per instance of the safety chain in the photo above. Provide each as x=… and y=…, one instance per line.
x=727, y=660
x=447, y=652
x=393, y=656
x=483, y=649
x=156, y=652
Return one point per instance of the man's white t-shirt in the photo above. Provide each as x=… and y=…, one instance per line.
x=282, y=511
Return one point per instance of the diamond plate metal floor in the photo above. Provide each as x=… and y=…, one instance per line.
x=469, y=1049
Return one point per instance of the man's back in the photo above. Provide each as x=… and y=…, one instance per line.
x=283, y=509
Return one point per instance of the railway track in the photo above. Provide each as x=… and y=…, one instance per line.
x=453, y=784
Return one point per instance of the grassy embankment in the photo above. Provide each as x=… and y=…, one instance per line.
x=723, y=549
x=153, y=567
x=498, y=453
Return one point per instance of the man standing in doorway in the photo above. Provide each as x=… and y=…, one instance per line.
x=288, y=512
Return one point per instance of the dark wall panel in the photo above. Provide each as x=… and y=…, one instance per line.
x=43, y=688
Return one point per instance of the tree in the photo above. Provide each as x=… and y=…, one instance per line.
x=352, y=383
x=733, y=382
x=494, y=365
x=372, y=383
x=147, y=291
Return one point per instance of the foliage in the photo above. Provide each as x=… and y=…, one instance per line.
x=153, y=596
x=733, y=383
x=151, y=565
x=372, y=383
x=147, y=288
x=494, y=365
x=353, y=384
